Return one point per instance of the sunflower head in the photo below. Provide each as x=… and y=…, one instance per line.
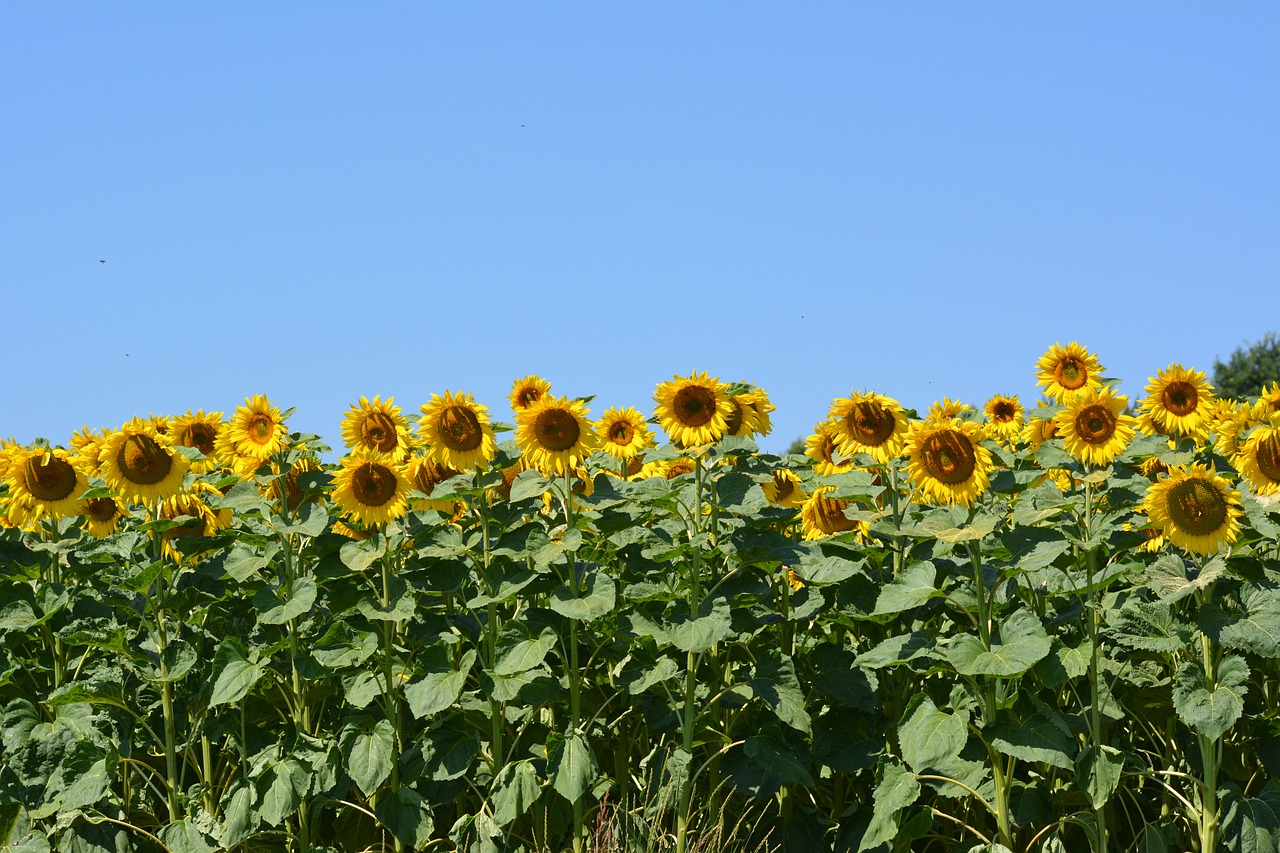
x=1094, y=427
x=527, y=391
x=1004, y=418
x=1195, y=508
x=1066, y=371
x=758, y=401
x=693, y=410
x=457, y=431
x=140, y=464
x=46, y=482
x=200, y=431
x=822, y=516
x=1259, y=460
x=257, y=429
x=287, y=487
x=823, y=448
x=946, y=410
x=947, y=463
x=1179, y=402
x=424, y=475
x=370, y=488
x=554, y=435
x=743, y=419
x=870, y=423
x=203, y=521
x=378, y=427
x=623, y=433
x=784, y=489
x=102, y=516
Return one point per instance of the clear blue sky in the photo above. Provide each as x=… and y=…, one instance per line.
x=321, y=200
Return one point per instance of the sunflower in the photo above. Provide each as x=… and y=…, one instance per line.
x=947, y=463
x=424, y=475
x=794, y=581
x=201, y=432
x=377, y=426
x=288, y=484
x=527, y=391
x=138, y=463
x=783, y=489
x=623, y=433
x=1180, y=401
x=693, y=410
x=822, y=448
x=203, y=521
x=1066, y=371
x=8, y=449
x=46, y=481
x=1094, y=427
x=256, y=429
x=554, y=434
x=1040, y=427
x=869, y=423
x=1004, y=418
x=1259, y=460
x=371, y=489
x=343, y=529
x=743, y=419
x=822, y=516
x=759, y=401
x=1268, y=402
x=456, y=429
x=102, y=516
x=670, y=468
x=946, y=410
x=1196, y=509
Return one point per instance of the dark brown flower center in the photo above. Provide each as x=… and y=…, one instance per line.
x=679, y=466
x=829, y=515
x=556, y=429
x=460, y=429
x=49, y=481
x=783, y=485
x=378, y=432
x=694, y=405
x=1071, y=373
x=948, y=457
x=199, y=436
x=1095, y=424
x=1003, y=412
x=142, y=461
x=428, y=475
x=870, y=423
x=1269, y=456
x=373, y=483
x=261, y=429
x=1180, y=398
x=101, y=510
x=621, y=433
x=527, y=396
x=1196, y=506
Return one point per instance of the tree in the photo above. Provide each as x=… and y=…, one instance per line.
x=1250, y=368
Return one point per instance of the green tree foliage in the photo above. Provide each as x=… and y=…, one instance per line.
x=1250, y=368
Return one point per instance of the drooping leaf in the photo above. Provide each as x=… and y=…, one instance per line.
x=281, y=789
x=438, y=690
x=519, y=650
x=184, y=837
x=572, y=767
x=293, y=601
x=1022, y=643
x=773, y=680
x=407, y=816
x=597, y=598
x=515, y=791
x=1211, y=709
x=930, y=737
x=369, y=754
x=233, y=674
x=1258, y=630
x=912, y=588
x=1098, y=773
x=896, y=790
x=1036, y=739
x=703, y=632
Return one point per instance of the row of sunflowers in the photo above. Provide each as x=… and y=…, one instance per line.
x=1003, y=629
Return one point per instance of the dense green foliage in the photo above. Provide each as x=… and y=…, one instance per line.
x=1252, y=367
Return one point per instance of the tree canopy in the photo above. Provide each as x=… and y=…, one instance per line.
x=1251, y=367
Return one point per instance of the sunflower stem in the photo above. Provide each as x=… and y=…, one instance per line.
x=1093, y=604
x=388, y=665
x=691, y=663
x=575, y=674
x=496, y=711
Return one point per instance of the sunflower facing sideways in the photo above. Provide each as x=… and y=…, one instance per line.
x=1197, y=509
x=378, y=427
x=783, y=489
x=1040, y=427
x=947, y=463
x=1094, y=427
x=693, y=410
x=1259, y=459
x=527, y=391
x=869, y=423
x=1179, y=402
x=554, y=435
x=822, y=447
x=102, y=516
x=456, y=429
x=201, y=519
x=201, y=432
x=45, y=482
x=139, y=464
x=256, y=430
x=623, y=433
x=371, y=489
x=822, y=516
x=1064, y=372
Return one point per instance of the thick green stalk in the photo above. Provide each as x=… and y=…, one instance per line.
x=496, y=713
x=691, y=662
x=1095, y=665
x=1210, y=750
x=388, y=667
x=575, y=674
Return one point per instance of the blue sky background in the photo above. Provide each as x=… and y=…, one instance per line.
x=321, y=200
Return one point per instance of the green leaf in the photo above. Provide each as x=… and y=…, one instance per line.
x=407, y=816
x=296, y=600
x=16, y=615
x=599, y=595
x=897, y=650
x=946, y=530
x=1037, y=739
x=242, y=562
x=141, y=579
x=774, y=681
x=910, y=589
x=233, y=674
x=1258, y=631
x=768, y=748
x=572, y=767
x=1151, y=626
x=1210, y=709
x=313, y=518
x=700, y=634
x=183, y=837
x=896, y=790
x=1251, y=824
x=84, y=776
x=1023, y=641
x=178, y=657
x=448, y=749
x=282, y=788
x=529, y=484
x=929, y=737
x=826, y=570
x=400, y=607
x=369, y=755
x=520, y=651
x=437, y=691
x=239, y=820
x=638, y=675
x=358, y=556
x=515, y=791
x=1098, y=773
x=342, y=646
x=1173, y=579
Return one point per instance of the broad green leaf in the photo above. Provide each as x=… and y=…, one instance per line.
x=896, y=790
x=774, y=681
x=141, y=579
x=233, y=674
x=638, y=675
x=296, y=600
x=598, y=596
x=826, y=570
x=768, y=748
x=572, y=767
x=16, y=616
x=700, y=634
x=516, y=790
x=1098, y=773
x=448, y=749
x=910, y=589
x=242, y=562
x=520, y=651
x=282, y=788
x=898, y=650
x=1172, y=578
x=183, y=837
x=1258, y=631
x=437, y=691
x=529, y=484
x=399, y=608
x=1022, y=642
x=358, y=556
x=1251, y=824
x=1037, y=739
x=1211, y=709
x=407, y=816
x=368, y=755
x=342, y=646
x=1151, y=626
x=239, y=819
x=84, y=777
x=930, y=737
x=945, y=529
x=312, y=520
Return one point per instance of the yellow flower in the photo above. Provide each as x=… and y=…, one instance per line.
x=822, y=448
x=1197, y=509
x=870, y=423
x=1040, y=427
x=623, y=433
x=946, y=410
x=1066, y=371
x=457, y=431
x=1004, y=418
x=527, y=391
x=46, y=482
x=371, y=489
x=1259, y=460
x=203, y=521
x=425, y=474
x=138, y=463
x=793, y=580
x=287, y=486
x=743, y=419
x=554, y=434
x=947, y=463
x=256, y=430
x=1094, y=427
x=201, y=432
x=822, y=516
x=1268, y=402
x=759, y=401
x=102, y=516
x=378, y=427
x=1179, y=401
x=693, y=410
x=783, y=489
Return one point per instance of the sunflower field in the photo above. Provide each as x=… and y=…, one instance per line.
x=1045, y=629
